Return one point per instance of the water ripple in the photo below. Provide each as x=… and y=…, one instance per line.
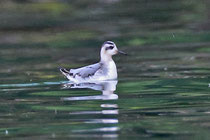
x=34, y=84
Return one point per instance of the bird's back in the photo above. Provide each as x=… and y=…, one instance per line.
x=86, y=71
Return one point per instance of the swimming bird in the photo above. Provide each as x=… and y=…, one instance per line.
x=101, y=71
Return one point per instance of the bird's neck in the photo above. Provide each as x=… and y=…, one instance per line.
x=106, y=58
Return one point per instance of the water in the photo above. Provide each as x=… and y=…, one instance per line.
x=163, y=87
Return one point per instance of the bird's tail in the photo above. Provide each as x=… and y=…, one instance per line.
x=64, y=71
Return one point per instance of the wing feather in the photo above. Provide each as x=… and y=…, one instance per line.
x=86, y=71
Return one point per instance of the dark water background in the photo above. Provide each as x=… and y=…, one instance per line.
x=163, y=87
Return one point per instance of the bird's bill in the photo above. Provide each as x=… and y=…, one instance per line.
x=121, y=52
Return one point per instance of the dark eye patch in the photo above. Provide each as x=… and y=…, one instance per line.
x=109, y=48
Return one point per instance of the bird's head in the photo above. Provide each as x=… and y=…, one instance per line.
x=109, y=49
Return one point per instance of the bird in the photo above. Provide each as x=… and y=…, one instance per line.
x=104, y=70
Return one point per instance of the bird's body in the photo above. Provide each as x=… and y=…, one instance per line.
x=94, y=72
x=104, y=70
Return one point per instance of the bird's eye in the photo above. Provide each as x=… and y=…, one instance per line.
x=109, y=48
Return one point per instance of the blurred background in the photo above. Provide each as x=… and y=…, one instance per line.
x=163, y=82
x=38, y=36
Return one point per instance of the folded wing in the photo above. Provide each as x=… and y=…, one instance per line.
x=86, y=71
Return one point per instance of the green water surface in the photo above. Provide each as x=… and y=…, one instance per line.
x=163, y=86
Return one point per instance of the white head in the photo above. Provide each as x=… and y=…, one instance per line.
x=109, y=49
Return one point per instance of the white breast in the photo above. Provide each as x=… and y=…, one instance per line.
x=112, y=70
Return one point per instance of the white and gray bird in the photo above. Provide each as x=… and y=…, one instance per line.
x=101, y=71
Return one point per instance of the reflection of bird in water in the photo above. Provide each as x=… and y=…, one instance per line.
x=107, y=88
x=108, y=109
x=104, y=70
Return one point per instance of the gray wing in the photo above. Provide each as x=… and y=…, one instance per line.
x=86, y=71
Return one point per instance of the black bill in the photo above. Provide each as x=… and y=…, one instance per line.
x=121, y=52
